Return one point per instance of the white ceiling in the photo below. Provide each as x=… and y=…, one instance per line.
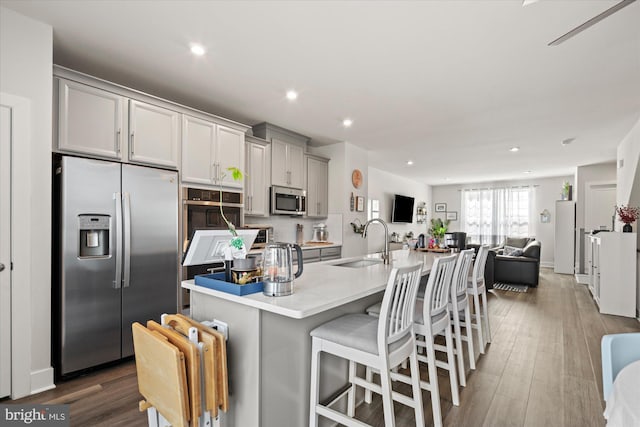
x=450, y=85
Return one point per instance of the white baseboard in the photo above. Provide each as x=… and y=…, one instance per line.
x=582, y=278
x=547, y=264
x=42, y=380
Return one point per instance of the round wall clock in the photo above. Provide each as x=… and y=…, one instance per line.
x=356, y=178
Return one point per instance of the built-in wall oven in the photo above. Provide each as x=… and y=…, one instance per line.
x=201, y=211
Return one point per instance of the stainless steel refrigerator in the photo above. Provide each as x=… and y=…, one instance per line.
x=116, y=257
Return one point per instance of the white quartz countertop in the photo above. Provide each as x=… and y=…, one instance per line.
x=325, y=285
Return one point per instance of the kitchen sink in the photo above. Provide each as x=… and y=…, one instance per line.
x=360, y=263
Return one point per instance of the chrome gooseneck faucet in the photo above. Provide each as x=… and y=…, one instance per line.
x=385, y=254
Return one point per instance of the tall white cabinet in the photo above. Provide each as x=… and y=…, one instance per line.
x=317, y=187
x=564, y=247
x=256, y=185
x=612, y=272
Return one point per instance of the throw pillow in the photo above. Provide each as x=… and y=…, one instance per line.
x=518, y=242
x=512, y=251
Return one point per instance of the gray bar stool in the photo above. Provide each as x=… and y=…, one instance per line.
x=380, y=343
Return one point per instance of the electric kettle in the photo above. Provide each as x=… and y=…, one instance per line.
x=278, y=268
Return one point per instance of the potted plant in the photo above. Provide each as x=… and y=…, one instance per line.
x=628, y=214
x=566, y=191
x=236, y=248
x=438, y=229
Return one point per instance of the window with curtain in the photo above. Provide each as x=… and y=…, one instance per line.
x=491, y=214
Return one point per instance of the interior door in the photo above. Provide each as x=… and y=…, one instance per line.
x=5, y=251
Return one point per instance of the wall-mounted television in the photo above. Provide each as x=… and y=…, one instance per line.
x=402, y=209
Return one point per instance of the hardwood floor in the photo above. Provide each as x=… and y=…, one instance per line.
x=543, y=368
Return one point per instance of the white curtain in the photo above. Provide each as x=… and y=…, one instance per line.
x=489, y=215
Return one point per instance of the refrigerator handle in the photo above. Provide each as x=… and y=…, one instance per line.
x=127, y=239
x=117, y=283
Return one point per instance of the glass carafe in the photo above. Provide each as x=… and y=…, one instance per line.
x=278, y=268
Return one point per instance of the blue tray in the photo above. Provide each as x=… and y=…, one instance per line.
x=216, y=281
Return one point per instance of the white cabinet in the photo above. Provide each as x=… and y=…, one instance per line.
x=256, y=186
x=94, y=121
x=90, y=120
x=317, y=187
x=564, y=242
x=612, y=272
x=208, y=149
x=287, y=164
x=229, y=152
x=154, y=134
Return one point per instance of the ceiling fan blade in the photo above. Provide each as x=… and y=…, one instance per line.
x=590, y=22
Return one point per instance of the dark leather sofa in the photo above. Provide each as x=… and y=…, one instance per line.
x=521, y=267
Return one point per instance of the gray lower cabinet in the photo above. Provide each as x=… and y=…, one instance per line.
x=319, y=254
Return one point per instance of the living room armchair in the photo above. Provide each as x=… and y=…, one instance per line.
x=517, y=261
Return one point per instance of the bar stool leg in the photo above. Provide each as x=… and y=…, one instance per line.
x=416, y=389
x=433, y=382
x=369, y=378
x=467, y=325
x=315, y=383
x=351, y=400
x=387, y=399
x=486, y=315
x=453, y=376
x=459, y=352
x=478, y=319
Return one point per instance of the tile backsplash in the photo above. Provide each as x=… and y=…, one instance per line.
x=284, y=227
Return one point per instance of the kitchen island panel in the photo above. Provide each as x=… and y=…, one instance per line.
x=286, y=365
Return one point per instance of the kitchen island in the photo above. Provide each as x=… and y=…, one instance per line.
x=269, y=347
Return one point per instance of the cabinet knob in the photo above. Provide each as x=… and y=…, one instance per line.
x=1, y=266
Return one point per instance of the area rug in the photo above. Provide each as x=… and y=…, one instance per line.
x=510, y=287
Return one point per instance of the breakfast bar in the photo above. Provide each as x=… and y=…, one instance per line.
x=269, y=348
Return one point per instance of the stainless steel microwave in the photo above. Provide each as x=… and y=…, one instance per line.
x=288, y=201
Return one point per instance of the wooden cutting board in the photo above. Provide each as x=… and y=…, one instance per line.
x=192, y=361
x=222, y=381
x=209, y=342
x=161, y=372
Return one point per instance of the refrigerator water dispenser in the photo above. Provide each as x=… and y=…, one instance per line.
x=94, y=235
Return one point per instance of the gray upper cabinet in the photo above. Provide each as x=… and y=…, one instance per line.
x=208, y=149
x=317, y=187
x=154, y=134
x=100, y=123
x=256, y=201
x=97, y=118
x=287, y=164
x=287, y=154
x=90, y=120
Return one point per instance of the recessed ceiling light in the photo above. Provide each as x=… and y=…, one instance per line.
x=292, y=95
x=447, y=179
x=514, y=149
x=527, y=172
x=410, y=162
x=567, y=141
x=347, y=123
x=197, y=49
